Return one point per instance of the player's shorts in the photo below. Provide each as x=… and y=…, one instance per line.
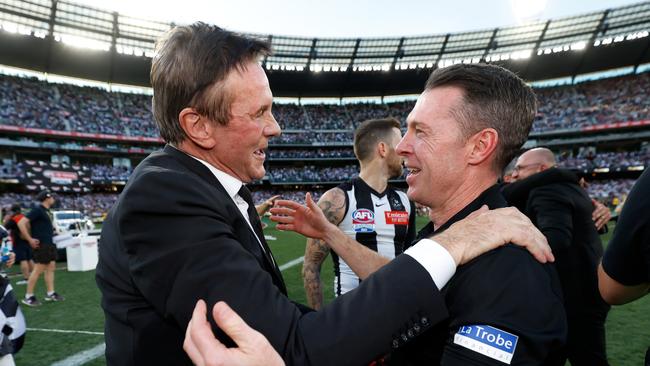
x=45, y=253
x=23, y=252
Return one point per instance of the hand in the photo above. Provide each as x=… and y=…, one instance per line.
x=601, y=214
x=271, y=201
x=307, y=220
x=205, y=349
x=34, y=243
x=486, y=229
x=11, y=260
x=264, y=207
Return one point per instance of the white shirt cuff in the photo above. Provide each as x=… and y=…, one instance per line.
x=435, y=259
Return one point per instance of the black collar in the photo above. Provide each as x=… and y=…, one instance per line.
x=491, y=197
x=362, y=182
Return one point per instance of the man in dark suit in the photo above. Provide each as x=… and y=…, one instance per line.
x=185, y=227
x=556, y=203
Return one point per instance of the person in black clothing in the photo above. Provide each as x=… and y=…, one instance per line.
x=556, y=203
x=36, y=227
x=24, y=255
x=504, y=306
x=624, y=274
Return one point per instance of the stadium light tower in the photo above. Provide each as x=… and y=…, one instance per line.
x=526, y=10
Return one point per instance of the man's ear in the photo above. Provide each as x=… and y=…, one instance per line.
x=382, y=149
x=198, y=128
x=482, y=145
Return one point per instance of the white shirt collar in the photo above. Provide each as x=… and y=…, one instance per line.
x=230, y=183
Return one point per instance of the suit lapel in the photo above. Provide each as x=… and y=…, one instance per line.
x=250, y=245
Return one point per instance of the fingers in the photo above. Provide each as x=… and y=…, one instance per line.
x=286, y=227
x=532, y=239
x=288, y=203
x=283, y=211
x=193, y=328
x=481, y=210
x=232, y=324
x=282, y=215
x=310, y=202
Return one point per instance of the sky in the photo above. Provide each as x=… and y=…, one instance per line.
x=354, y=18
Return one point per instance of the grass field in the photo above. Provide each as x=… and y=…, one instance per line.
x=628, y=326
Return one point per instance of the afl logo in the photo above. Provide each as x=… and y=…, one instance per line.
x=363, y=216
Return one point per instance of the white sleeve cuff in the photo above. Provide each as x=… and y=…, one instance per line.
x=435, y=259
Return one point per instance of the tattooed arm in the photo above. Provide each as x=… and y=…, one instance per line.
x=311, y=222
x=333, y=205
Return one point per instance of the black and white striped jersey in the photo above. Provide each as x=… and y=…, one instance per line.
x=383, y=222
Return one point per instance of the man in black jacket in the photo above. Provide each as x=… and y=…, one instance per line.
x=553, y=199
x=185, y=227
x=504, y=307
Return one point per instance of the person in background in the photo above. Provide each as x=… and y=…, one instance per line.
x=388, y=222
x=557, y=204
x=624, y=273
x=36, y=227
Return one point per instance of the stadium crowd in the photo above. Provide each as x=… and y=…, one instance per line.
x=311, y=173
x=94, y=205
x=30, y=102
x=611, y=160
x=611, y=192
x=310, y=153
x=109, y=173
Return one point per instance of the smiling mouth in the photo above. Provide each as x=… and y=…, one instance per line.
x=260, y=153
x=413, y=171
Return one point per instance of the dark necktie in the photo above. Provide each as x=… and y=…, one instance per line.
x=254, y=219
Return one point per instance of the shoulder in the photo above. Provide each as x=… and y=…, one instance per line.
x=333, y=203
x=511, y=270
x=554, y=194
x=508, y=287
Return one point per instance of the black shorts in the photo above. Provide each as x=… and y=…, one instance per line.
x=45, y=253
x=23, y=252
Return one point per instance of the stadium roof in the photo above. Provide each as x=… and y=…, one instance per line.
x=62, y=37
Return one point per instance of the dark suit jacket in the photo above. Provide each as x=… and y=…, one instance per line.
x=561, y=209
x=175, y=236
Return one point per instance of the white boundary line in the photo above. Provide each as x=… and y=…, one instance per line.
x=65, y=331
x=292, y=263
x=83, y=357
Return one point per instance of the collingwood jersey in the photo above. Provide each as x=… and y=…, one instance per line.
x=383, y=222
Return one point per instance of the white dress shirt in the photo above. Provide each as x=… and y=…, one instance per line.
x=232, y=186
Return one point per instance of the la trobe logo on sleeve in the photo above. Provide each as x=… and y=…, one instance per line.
x=488, y=341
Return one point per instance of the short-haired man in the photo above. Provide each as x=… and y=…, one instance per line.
x=185, y=227
x=556, y=203
x=366, y=208
x=36, y=227
x=504, y=306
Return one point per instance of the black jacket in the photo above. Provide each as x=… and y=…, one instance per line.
x=505, y=290
x=561, y=209
x=175, y=236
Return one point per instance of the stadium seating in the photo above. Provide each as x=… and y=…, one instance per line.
x=35, y=103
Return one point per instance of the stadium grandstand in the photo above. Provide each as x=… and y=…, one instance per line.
x=590, y=72
x=75, y=98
